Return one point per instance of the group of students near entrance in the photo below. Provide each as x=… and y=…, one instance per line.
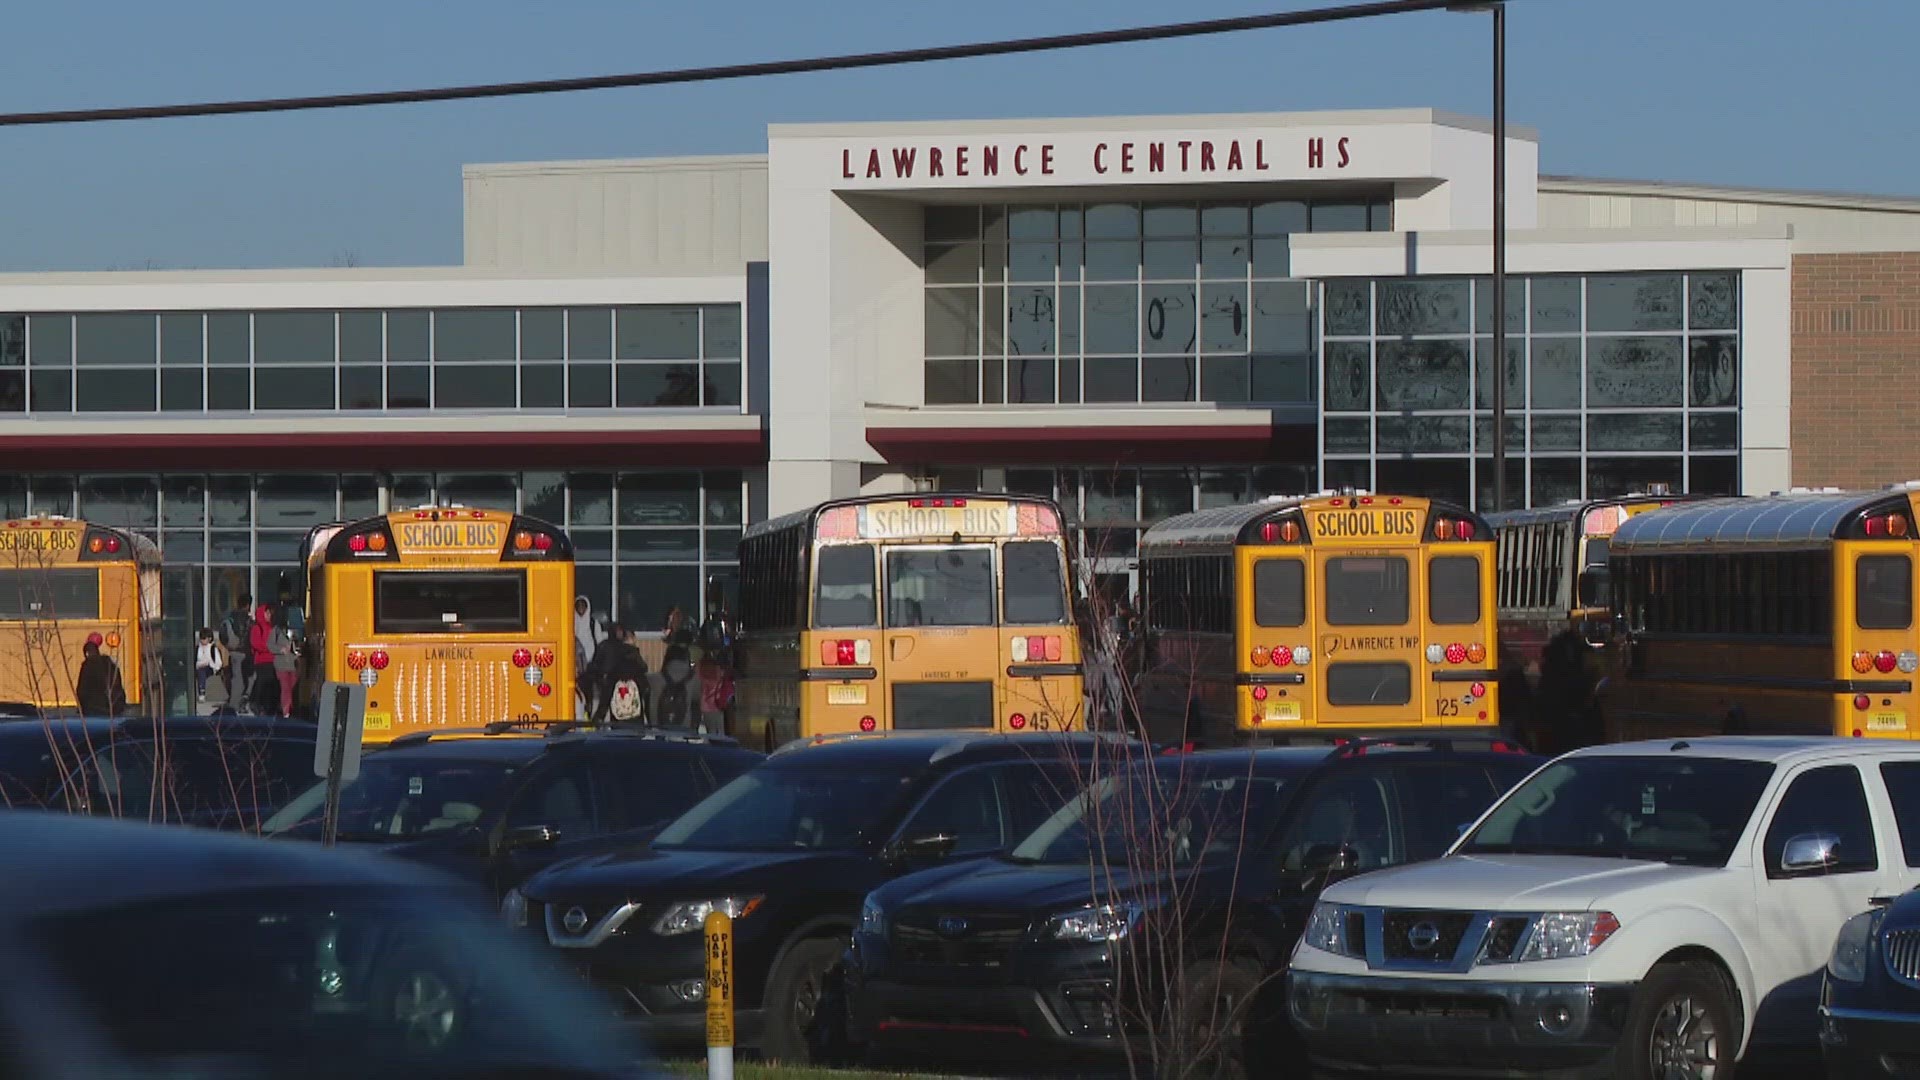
x=251, y=661
x=612, y=675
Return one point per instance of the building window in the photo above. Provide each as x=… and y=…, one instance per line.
x=1614, y=382
x=1124, y=302
x=490, y=359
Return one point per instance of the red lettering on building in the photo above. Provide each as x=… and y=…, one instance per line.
x=1206, y=155
x=903, y=161
x=1316, y=153
x=846, y=164
x=959, y=161
x=1020, y=159
x=1046, y=159
x=1100, y=158
x=1126, y=157
x=1260, y=155
x=1342, y=147
x=934, y=168
x=1234, y=164
x=990, y=161
x=1157, y=157
x=1185, y=145
x=873, y=164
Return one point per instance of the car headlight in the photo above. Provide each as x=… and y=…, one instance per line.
x=872, y=919
x=1559, y=935
x=688, y=916
x=513, y=909
x=1849, y=961
x=1101, y=922
x=1327, y=930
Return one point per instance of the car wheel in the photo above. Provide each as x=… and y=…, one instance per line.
x=419, y=1006
x=1214, y=1017
x=1684, y=1025
x=794, y=994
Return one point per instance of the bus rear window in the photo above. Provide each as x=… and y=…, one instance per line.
x=1369, y=684
x=1453, y=590
x=843, y=586
x=1279, y=592
x=940, y=586
x=50, y=593
x=449, y=602
x=1366, y=591
x=1883, y=592
x=1033, y=592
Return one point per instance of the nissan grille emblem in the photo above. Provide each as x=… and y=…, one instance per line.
x=575, y=920
x=1421, y=936
x=952, y=926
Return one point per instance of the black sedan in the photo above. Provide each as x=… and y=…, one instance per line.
x=136, y=950
x=1870, y=999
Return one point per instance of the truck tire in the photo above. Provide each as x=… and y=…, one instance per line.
x=1684, y=1025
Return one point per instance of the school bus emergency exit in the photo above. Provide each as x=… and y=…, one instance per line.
x=1326, y=614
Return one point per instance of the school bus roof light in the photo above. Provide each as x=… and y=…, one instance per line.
x=839, y=523
x=523, y=541
x=1887, y=525
x=543, y=541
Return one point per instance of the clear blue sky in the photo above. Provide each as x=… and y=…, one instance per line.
x=1755, y=92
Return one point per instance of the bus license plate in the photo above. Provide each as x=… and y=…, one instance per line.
x=1894, y=720
x=1283, y=710
x=846, y=695
x=377, y=720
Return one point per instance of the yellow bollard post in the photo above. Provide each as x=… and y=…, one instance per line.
x=719, y=934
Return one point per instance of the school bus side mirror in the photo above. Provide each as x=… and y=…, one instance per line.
x=1595, y=587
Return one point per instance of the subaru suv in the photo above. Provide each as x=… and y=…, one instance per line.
x=1168, y=898
x=493, y=805
x=790, y=850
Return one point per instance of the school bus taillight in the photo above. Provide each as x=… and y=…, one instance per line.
x=1017, y=721
x=1884, y=661
x=1259, y=693
x=846, y=652
x=1280, y=532
x=1476, y=652
x=1452, y=529
x=522, y=657
x=378, y=659
x=1036, y=648
x=1887, y=525
x=543, y=657
x=867, y=724
x=356, y=660
x=1259, y=656
x=1861, y=702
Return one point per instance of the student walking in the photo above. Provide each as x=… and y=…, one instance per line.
x=209, y=660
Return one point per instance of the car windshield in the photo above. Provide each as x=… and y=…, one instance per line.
x=324, y=981
x=1666, y=809
x=789, y=807
x=399, y=799
x=1150, y=818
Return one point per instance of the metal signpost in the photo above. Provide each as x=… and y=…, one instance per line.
x=342, y=711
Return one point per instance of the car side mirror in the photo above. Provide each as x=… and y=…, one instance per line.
x=929, y=848
x=1810, y=851
x=1332, y=859
x=529, y=836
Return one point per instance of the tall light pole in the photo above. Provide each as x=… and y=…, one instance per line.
x=1498, y=8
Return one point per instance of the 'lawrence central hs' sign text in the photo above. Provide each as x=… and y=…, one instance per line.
x=1252, y=156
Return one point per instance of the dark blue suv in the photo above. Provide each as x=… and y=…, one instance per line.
x=1870, y=1000
x=1155, y=915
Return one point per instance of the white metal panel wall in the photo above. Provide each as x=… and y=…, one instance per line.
x=1815, y=228
x=662, y=216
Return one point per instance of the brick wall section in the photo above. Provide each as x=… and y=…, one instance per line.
x=1856, y=369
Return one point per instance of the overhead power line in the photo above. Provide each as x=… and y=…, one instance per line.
x=735, y=71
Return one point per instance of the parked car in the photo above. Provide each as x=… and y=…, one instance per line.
x=228, y=773
x=789, y=850
x=1665, y=905
x=494, y=805
x=1196, y=872
x=134, y=950
x=1870, y=999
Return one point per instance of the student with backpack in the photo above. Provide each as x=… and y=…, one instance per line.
x=233, y=637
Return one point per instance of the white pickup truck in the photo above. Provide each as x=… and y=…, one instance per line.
x=1640, y=910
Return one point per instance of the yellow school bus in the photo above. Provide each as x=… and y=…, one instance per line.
x=63, y=583
x=1555, y=607
x=1298, y=617
x=906, y=612
x=450, y=617
x=1789, y=614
